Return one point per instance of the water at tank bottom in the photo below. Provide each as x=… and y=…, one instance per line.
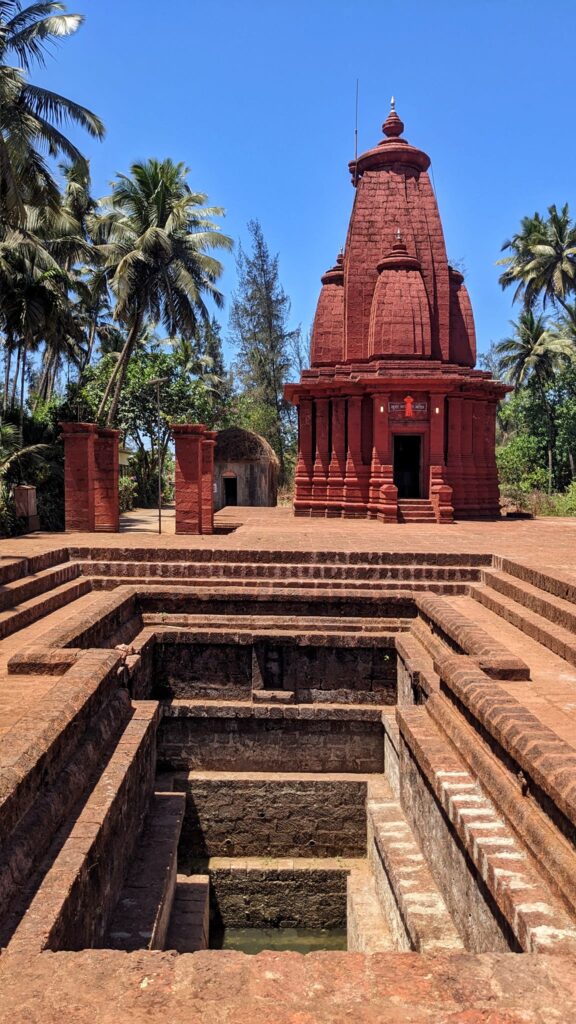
x=296, y=940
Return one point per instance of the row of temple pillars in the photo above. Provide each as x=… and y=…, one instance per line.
x=345, y=456
x=91, y=478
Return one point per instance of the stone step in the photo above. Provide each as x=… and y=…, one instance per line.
x=190, y=918
x=12, y=569
x=143, y=912
x=556, y=637
x=21, y=590
x=558, y=585
x=556, y=609
x=38, y=607
x=296, y=626
x=367, y=929
x=273, y=696
x=415, y=510
x=145, y=555
x=500, y=780
x=409, y=897
x=534, y=916
x=280, y=571
x=278, y=586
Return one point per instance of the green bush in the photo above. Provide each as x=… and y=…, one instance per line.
x=520, y=464
x=126, y=491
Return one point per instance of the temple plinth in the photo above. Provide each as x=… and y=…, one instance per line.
x=395, y=423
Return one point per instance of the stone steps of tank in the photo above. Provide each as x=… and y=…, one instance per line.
x=280, y=571
x=146, y=554
x=368, y=930
x=279, y=586
x=410, y=899
x=534, y=913
x=188, y=931
x=549, y=620
x=143, y=912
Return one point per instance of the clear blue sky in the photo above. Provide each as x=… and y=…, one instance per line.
x=258, y=99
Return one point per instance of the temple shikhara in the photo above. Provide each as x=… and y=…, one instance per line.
x=394, y=421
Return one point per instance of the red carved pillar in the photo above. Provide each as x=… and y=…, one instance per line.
x=440, y=492
x=322, y=460
x=381, y=470
x=79, y=468
x=492, y=486
x=208, y=445
x=188, y=458
x=305, y=464
x=357, y=475
x=337, y=468
x=455, y=475
x=437, y=411
x=468, y=467
x=106, y=472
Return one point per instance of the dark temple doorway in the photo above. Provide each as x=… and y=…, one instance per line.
x=407, y=464
x=230, y=490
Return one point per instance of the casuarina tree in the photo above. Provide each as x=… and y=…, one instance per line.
x=259, y=329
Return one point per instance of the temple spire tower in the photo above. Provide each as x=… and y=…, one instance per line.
x=393, y=354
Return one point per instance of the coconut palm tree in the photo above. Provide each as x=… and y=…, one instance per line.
x=155, y=236
x=542, y=260
x=32, y=118
x=533, y=353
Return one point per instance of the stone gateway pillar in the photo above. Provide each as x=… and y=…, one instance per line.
x=194, y=497
x=91, y=499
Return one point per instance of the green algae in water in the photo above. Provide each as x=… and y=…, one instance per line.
x=295, y=940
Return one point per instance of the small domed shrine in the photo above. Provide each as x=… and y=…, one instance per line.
x=394, y=421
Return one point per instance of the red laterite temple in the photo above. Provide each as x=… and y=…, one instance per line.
x=394, y=421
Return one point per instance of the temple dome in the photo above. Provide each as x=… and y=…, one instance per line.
x=327, y=345
x=400, y=314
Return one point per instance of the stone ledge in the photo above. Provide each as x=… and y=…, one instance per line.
x=74, y=901
x=490, y=655
x=41, y=743
x=232, y=988
x=245, y=709
x=540, y=753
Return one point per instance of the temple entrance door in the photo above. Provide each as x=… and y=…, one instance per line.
x=230, y=490
x=408, y=464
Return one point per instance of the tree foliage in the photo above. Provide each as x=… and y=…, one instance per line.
x=265, y=346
